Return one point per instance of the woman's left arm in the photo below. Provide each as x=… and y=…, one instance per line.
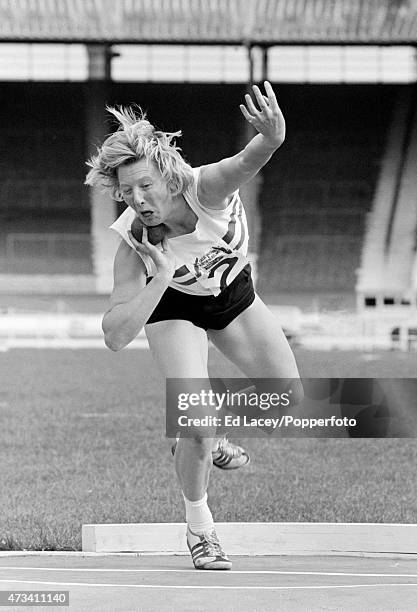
x=220, y=179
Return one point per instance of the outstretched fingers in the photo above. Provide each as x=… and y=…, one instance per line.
x=264, y=114
x=267, y=103
x=245, y=113
x=251, y=106
x=261, y=99
x=272, y=100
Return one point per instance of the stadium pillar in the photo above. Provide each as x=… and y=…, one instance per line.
x=104, y=242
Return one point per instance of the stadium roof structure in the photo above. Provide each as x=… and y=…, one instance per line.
x=259, y=22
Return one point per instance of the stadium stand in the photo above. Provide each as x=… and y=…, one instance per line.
x=386, y=273
x=318, y=189
x=402, y=236
x=371, y=272
x=317, y=192
x=44, y=214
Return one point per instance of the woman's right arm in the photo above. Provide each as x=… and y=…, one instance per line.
x=132, y=301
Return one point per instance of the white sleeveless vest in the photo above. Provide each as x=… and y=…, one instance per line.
x=209, y=258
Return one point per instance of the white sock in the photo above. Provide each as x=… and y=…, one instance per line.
x=198, y=515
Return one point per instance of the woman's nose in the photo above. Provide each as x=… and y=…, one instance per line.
x=138, y=197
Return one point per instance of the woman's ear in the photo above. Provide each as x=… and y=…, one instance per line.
x=117, y=194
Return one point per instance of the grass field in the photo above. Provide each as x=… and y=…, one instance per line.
x=82, y=441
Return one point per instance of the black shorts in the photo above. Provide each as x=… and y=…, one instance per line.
x=208, y=312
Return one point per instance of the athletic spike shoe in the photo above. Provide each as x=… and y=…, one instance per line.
x=206, y=551
x=228, y=456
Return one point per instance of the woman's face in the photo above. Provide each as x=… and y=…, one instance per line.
x=143, y=189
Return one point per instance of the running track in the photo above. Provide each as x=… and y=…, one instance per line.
x=133, y=583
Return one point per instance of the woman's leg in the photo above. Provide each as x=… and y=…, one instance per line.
x=255, y=342
x=180, y=349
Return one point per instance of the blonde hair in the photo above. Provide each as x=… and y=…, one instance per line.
x=136, y=139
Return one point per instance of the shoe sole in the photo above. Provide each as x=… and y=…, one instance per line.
x=215, y=565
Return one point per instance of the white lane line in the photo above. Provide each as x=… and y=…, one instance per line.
x=192, y=571
x=238, y=587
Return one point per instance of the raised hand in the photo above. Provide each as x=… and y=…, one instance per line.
x=267, y=118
